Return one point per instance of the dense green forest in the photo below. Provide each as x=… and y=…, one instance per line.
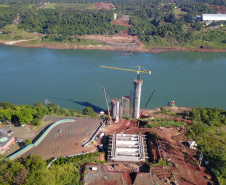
x=158, y=22
x=67, y=22
x=209, y=130
x=33, y=114
x=33, y=170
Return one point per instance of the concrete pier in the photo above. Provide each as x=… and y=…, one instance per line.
x=136, y=98
x=116, y=107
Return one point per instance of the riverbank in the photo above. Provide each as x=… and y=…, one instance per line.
x=114, y=43
x=132, y=44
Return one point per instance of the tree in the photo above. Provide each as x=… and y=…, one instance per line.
x=26, y=114
x=53, y=108
x=89, y=112
x=188, y=18
x=172, y=18
x=27, y=142
x=41, y=110
x=198, y=25
x=38, y=171
x=5, y=114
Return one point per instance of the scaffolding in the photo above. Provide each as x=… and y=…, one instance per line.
x=126, y=106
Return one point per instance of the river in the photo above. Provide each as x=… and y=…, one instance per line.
x=69, y=78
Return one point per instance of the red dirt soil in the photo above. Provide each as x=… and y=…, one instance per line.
x=184, y=160
x=114, y=43
x=121, y=22
x=107, y=6
x=219, y=8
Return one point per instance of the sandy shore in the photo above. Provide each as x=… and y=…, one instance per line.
x=114, y=43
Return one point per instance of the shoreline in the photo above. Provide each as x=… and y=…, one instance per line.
x=140, y=48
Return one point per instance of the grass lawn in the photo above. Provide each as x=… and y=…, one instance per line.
x=4, y=5
x=79, y=6
x=178, y=11
x=51, y=6
x=42, y=123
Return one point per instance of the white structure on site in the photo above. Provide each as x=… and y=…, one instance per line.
x=127, y=148
x=192, y=144
x=115, y=16
x=214, y=17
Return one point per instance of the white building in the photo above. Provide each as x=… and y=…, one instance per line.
x=214, y=17
x=115, y=16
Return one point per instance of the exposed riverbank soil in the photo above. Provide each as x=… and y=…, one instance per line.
x=122, y=42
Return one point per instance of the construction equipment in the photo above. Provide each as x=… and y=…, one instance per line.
x=138, y=71
x=109, y=115
x=147, y=103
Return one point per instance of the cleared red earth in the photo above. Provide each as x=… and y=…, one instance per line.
x=184, y=168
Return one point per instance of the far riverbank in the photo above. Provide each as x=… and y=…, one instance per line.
x=112, y=45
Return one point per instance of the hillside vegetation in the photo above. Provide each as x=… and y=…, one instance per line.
x=209, y=130
x=33, y=170
x=33, y=114
x=156, y=22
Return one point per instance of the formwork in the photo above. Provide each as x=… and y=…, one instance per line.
x=127, y=148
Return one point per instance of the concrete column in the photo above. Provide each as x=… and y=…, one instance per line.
x=136, y=98
x=116, y=108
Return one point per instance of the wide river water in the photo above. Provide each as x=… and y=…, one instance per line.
x=69, y=78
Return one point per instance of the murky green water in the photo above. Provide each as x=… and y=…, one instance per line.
x=69, y=78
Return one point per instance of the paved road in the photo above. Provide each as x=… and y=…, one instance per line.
x=69, y=141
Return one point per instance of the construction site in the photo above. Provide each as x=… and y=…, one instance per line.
x=136, y=154
x=133, y=151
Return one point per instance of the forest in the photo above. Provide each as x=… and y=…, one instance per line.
x=209, y=131
x=33, y=170
x=156, y=22
x=33, y=114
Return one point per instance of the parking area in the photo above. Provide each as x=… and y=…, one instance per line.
x=69, y=141
x=18, y=132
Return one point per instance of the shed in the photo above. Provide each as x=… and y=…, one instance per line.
x=94, y=168
x=214, y=17
x=125, y=18
x=192, y=144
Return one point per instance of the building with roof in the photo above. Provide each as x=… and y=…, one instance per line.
x=214, y=17
x=125, y=18
x=5, y=142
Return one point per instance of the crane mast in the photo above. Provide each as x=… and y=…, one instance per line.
x=109, y=115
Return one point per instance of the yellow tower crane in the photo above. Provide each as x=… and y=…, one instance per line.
x=138, y=70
